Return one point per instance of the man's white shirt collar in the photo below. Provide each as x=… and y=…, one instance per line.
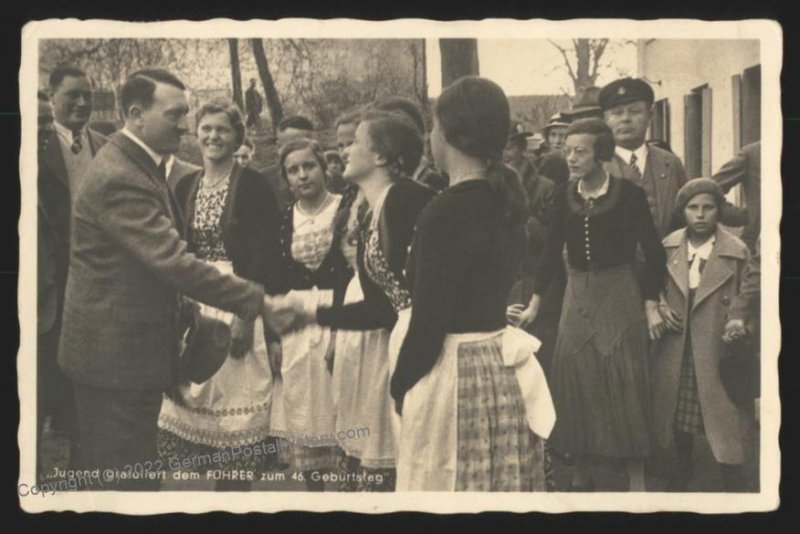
x=66, y=134
x=641, y=156
x=156, y=157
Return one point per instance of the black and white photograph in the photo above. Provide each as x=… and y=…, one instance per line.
x=403, y=265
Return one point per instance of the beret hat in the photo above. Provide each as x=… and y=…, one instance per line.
x=698, y=186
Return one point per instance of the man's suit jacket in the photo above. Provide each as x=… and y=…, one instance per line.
x=180, y=169
x=54, y=210
x=745, y=169
x=128, y=265
x=663, y=177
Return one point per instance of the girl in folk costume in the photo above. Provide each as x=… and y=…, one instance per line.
x=600, y=374
x=231, y=221
x=386, y=151
x=464, y=384
x=311, y=271
x=705, y=311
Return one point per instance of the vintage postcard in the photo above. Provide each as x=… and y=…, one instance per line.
x=346, y=265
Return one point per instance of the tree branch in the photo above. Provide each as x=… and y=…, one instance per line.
x=566, y=60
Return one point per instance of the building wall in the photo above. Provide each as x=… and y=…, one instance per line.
x=683, y=65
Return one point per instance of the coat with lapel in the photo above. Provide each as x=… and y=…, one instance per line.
x=181, y=169
x=128, y=265
x=717, y=299
x=54, y=212
x=663, y=175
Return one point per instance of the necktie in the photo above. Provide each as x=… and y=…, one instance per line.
x=634, y=167
x=162, y=168
x=77, y=143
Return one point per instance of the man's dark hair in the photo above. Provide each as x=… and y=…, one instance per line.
x=295, y=121
x=140, y=86
x=352, y=116
x=398, y=103
x=61, y=72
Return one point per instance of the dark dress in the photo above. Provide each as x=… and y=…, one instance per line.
x=600, y=375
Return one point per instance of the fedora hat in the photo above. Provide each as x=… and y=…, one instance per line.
x=586, y=104
x=206, y=344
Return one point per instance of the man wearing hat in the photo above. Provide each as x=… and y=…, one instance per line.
x=627, y=108
x=585, y=106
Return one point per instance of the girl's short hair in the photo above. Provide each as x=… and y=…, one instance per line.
x=303, y=143
x=230, y=109
x=603, y=136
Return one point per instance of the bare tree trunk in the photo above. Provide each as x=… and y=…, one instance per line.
x=425, y=101
x=236, y=73
x=459, y=58
x=273, y=99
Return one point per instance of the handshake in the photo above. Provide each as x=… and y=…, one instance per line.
x=288, y=313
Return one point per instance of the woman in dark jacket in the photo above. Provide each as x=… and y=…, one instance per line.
x=600, y=372
x=230, y=220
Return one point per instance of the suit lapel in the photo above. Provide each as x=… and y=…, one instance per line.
x=617, y=167
x=54, y=159
x=146, y=163
x=655, y=171
x=677, y=263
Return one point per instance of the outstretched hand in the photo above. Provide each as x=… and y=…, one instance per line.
x=287, y=314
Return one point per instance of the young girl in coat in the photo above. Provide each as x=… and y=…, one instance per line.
x=705, y=312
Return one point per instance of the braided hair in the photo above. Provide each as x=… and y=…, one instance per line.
x=474, y=115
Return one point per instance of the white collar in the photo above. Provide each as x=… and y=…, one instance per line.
x=703, y=251
x=597, y=194
x=641, y=155
x=376, y=211
x=155, y=156
x=66, y=133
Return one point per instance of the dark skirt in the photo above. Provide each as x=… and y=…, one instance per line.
x=600, y=375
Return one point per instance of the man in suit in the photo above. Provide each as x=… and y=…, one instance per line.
x=253, y=104
x=177, y=168
x=66, y=147
x=289, y=128
x=745, y=169
x=128, y=267
x=627, y=107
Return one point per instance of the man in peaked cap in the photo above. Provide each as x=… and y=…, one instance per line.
x=627, y=105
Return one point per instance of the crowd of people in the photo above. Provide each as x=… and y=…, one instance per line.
x=482, y=309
